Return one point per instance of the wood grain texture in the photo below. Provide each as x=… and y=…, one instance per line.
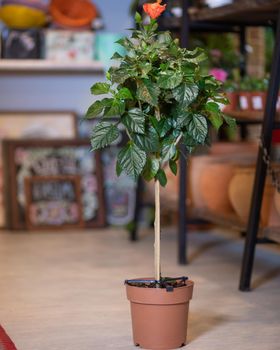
x=65, y=291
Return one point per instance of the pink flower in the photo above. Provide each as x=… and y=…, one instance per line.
x=216, y=53
x=219, y=74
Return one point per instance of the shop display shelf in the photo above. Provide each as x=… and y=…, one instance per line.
x=272, y=233
x=229, y=220
x=42, y=65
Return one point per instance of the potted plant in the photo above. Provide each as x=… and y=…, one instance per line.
x=230, y=87
x=259, y=90
x=162, y=100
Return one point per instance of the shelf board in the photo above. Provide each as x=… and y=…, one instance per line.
x=42, y=65
x=252, y=117
x=272, y=233
x=245, y=12
x=230, y=220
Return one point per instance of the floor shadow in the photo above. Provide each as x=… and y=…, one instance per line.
x=201, y=323
x=264, y=278
x=204, y=248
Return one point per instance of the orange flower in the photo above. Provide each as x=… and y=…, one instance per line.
x=154, y=10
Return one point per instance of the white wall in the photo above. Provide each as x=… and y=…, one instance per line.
x=60, y=92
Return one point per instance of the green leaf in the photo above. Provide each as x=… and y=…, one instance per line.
x=151, y=168
x=161, y=177
x=212, y=107
x=173, y=166
x=197, y=128
x=164, y=126
x=168, y=150
x=185, y=94
x=132, y=160
x=134, y=120
x=114, y=107
x=189, y=142
x=148, y=142
x=138, y=18
x=119, y=169
x=216, y=120
x=94, y=110
x=125, y=42
x=100, y=88
x=145, y=67
x=170, y=79
x=120, y=75
x=148, y=92
x=125, y=94
x=231, y=122
x=103, y=134
x=116, y=56
x=182, y=117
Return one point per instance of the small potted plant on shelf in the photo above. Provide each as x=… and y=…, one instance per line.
x=252, y=94
x=230, y=87
x=162, y=100
x=259, y=91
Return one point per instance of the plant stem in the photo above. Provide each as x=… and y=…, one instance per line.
x=157, y=231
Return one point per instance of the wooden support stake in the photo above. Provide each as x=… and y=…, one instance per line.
x=157, y=231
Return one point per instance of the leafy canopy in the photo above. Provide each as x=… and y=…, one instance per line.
x=160, y=97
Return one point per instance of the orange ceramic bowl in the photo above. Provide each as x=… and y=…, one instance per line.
x=73, y=13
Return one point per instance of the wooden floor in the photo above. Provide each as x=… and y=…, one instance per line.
x=65, y=291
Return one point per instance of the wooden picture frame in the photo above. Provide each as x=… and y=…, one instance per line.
x=53, y=202
x=37, y=124
x=26, y=158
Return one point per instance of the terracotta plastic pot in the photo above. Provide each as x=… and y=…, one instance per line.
x=245, y=101
x=215, y=181
x=258, y=99
x=274, y=216
x=73, y=13
x=277, y=201
x=159, y=317
x=240, y=194
x=197, y=165
x=233, y=102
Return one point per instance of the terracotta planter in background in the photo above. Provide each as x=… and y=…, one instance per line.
x=245, y=101
x=240, y=194
x=277, y=201
x=197, y=165
x=258, y=99
x=215, y=181
x=233, y=102
x=159, y=317
x=274, y=214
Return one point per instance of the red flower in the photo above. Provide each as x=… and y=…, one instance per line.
x=154, y=10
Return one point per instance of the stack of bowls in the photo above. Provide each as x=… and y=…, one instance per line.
x=73, y=14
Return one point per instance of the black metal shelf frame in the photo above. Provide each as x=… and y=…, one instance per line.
x=267, y=128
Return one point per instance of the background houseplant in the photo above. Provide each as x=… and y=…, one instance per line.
x=162, y=99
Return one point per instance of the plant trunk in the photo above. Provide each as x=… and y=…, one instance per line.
x=157, y=231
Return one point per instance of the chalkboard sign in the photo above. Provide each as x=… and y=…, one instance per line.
x=53, y=202
x=27, y=158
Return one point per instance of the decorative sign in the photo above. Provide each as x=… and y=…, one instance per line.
x=27, y=158
x=53, y=202
x=35, y=124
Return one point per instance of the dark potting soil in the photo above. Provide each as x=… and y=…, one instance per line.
x=168, y=283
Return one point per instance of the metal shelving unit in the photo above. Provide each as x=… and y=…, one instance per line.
x=239, y=15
